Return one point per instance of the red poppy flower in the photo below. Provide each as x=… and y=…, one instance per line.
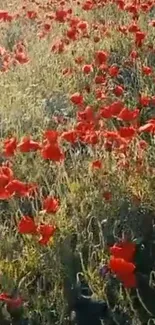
x=127, y=132
x=133, y=28
x=120, y=266
x=70, y=136
x=107, y=195
x=77, y=99
x=144, y=100
x=27, y=226
x=51, y=135
x=99, y=80
x=134, y=54
x=61, y=15
x=3, y=180
x=105, y=112
x=19, y=188
x=13, y=302
x=87, y=68
x=52, y=152
x=116, y=107
x=21, y=57
x=10, y=145
x=47, y=27
x=4, y=194
x=146, y=70
x=148, y=127
x=51, y=204
x=97, y=164
x=113, y=71
x=6, y=170
x=129, y=281
x=31, y=14
x=91, y=138
x=124, y=250
x=88, y=5
x=72, y=33
x=83, y=25
x=87, y=114
x=46, y=232
x=101, y=57
x=120, y=4
x=79, y=60
x=140, y=37
x=128, y=115
x=118, y=91
x=3, y=14
x=27, y=145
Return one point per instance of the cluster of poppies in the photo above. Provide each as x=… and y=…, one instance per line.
x=10, y=187
x=94, y=123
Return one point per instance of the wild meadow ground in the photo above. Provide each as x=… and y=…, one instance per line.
x=77, y=155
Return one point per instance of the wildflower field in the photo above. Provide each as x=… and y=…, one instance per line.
x=77, y=162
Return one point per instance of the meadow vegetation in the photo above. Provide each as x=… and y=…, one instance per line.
x=77, y=158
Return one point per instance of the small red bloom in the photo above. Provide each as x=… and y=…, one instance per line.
x=6, y=170
x=146, y=70
x=120, y=266
x=31, y=14
x=19, y=188
x=118, y=91
x=123, y=250
x=97, y=164
x=72, y=33
x=82, y=25
x=107, y=195
x=47, y=27
x=51, y=136
x=134, y=55
x=12, y=302
x=87, y=69
x=99, y=80
x=27, y=145
x=77, y=99
x=4, y=194
x=52, y=152
x=3, y=14
x=51, y=204
x=88, y=5
x=10, y=145
x=61, y=15
x=128, y=115
x=58, y=47
x=3, y=180
x=113, y=71
x=27, y=226
x=105, y=112
x=70, y=136
x=46, y=232
x=127, y=132
x=129, y=281
x=86, y=115
x=148, y=127
x=101, y=57
x=144, y=100
x=21, y=57
x=139, y=38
